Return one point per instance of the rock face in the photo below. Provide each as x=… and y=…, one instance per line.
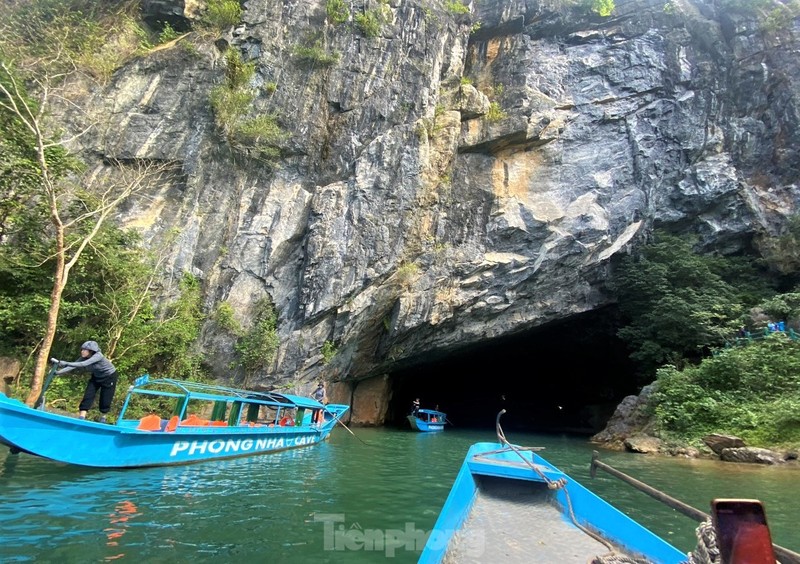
x=751, y=455
x=444, y=183
x=628, y=420
x=718, y=443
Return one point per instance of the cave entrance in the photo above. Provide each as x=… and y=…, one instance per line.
x=565, y=377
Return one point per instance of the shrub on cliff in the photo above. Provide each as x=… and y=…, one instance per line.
x=752, y=392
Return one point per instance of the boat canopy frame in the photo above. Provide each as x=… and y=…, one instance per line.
x=187, y=391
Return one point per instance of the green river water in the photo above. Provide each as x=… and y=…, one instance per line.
x=335, y=502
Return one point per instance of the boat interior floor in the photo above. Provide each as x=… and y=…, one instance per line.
x=514, y=522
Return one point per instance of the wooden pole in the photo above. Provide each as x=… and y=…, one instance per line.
x=785, y=555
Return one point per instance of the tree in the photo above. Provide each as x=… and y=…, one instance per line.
x=76, y=207
x=678, y=302
x=56, y=217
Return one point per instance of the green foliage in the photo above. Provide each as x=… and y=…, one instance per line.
x=222, y=14
x=782, y=306
x=315, y=55
x=678, y=303
x=68, y=36
x=178, y=327
x=167, y=34
x=456, y=7
x=369, y=23
x=328, y=352
x=337, y=10
x=752, y=392
x=603, y=8
x=783, y=253
x=238, y=74
x=111, y=298
x=407, y=273
x=229, y=106
x=21, y=212
x=25, y=265
x=224, y=318
x=258, y=136
x=257, y=347
x=772, y=16
x=261, y=135
x=495, y=113
x=465, y=80
x=780, y=17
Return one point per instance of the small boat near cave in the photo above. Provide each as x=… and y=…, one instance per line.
x=427, y=420
x=241, y=423
x=508, y=504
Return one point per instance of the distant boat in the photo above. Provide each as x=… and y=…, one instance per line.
x=427, y=420
x=508, y=504
x=241, y=423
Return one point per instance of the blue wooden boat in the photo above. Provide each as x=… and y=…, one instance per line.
x=508, y=504
x=427, y=420
x=241, y=423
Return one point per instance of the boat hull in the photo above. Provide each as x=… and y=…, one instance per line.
x=419, y=425
x=85, y=443
x=485, y=466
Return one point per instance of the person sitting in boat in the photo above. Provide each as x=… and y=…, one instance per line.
x=415, y=407
x=287, y=420
x=104, y=378
x=322, y=397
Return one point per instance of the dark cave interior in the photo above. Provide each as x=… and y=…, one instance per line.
x=566, y=377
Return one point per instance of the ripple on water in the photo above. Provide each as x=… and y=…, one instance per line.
x=269, y=506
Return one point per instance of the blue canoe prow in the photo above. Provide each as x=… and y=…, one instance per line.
x=430, y=420
x=74, y=441
x=495, y=478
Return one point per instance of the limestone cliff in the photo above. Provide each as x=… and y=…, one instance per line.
x=457, y=177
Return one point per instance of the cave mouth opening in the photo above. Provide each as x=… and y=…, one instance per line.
x=565, y=377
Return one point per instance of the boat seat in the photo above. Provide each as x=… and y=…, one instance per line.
x=150, y=422
x=194, y=421
x=219, y=423
x=172, y=424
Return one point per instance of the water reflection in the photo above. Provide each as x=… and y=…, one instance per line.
x=118, y=520
x=264, y=507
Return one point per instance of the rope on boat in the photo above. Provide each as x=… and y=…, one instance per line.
x=706, y=551
x=707, y=546
x=561, y=484
x=551, y=484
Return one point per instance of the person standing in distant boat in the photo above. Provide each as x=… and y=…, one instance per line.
x=104, y=378
x=415, y=407
x=322, y=397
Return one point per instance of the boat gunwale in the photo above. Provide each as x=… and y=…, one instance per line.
x=625, y=532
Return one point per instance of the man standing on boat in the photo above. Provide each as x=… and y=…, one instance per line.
x=322, y=397
x=104, y=378
x=415, y=407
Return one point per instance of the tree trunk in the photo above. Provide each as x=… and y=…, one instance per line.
x=42, y=358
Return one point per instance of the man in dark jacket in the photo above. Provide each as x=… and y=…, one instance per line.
x=104, y=378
